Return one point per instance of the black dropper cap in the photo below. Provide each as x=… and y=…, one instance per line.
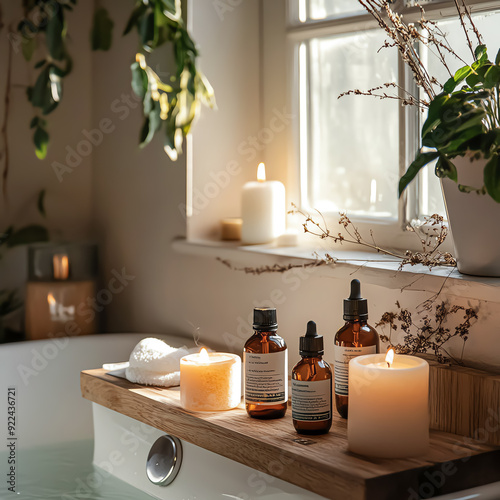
x=311, y=343
x=264, y=318
x=355, y=307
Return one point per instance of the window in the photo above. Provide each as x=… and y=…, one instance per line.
x=353, y=150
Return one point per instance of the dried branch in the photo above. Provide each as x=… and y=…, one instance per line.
x=474, y=28
x=462, y=22
x=409, y=100
x=432, y=334
x=431, y=234
x=406, y=37
x=278, y=268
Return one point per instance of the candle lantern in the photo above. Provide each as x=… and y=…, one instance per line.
x=60, y=290
x=262, y=209
x=210, y=381
x=388, y=405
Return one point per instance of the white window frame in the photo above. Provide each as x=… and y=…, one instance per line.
x=388, y=231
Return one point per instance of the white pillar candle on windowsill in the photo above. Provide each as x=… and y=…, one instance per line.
x=262, y=209
x=210, y=381
x=388, y=406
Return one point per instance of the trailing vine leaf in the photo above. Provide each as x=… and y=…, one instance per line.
x=44, y=21
x=26, y=235
x=41, y=203
x=41, y=140
x=9, y=302
x=55, y=34
x=139, y=80
x=169, y=107
x=28, y=47
x=102, y=30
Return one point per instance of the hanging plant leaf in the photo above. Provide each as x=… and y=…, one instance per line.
x=55, y=29
x=179, y=102
x=133, y=19
x=26, y=235
x=102, y=30
x=41, y=140
x=55, y=84
x=41, y=203
x=146, y=135
x=28, y=47
x=147, y=30
x=41, y=89
x=139, y=80
x=39, y=64
x=34, y=122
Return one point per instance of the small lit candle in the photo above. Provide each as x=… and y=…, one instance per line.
x=262, y=209
x=210, y=381
x=388, y=405
x=61, y=266
x=52, y=306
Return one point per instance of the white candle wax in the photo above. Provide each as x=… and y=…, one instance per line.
x=262, y=210
x=388, y=407
x=210, y=381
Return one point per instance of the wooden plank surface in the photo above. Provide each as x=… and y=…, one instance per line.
x=465, y=401
x=320, y=464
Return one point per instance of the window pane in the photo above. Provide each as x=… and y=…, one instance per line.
x=487, y=23
x=352, y=142
x=324, y=9
x=316, y=10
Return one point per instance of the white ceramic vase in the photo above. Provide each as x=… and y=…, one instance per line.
x=474, y=220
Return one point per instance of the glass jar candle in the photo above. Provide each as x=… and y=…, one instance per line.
x=61, y=285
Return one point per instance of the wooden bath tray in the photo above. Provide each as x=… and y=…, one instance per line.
x=320, y=464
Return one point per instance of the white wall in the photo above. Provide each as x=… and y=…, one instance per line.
x=136, y=194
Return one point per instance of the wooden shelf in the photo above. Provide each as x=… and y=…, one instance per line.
x=320, y=464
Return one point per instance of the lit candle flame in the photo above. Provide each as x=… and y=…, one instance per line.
x=389, y=359
x=51, y=300
x=261, y=172
x=204, y=358
x=61, y=266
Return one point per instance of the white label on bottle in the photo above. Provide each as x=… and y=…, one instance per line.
x=312, y=400
x=266, y=380
x=341, y=368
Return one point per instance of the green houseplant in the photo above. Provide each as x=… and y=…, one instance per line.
x=461, y=132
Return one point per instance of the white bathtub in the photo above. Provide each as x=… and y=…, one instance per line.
x=54, y=453
x=54, y=446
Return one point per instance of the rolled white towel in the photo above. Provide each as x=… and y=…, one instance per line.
x=154, y=362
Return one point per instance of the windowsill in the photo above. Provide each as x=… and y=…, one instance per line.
x=369, y=267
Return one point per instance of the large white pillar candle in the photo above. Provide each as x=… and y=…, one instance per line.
x=210, y=381
x=262, y=209
x=388, y=406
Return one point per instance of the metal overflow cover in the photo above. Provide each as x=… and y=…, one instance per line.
x=164, y=460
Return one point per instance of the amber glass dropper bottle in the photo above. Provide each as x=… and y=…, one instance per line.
x=265, y=360
x=355, y=338
x=312, y=386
